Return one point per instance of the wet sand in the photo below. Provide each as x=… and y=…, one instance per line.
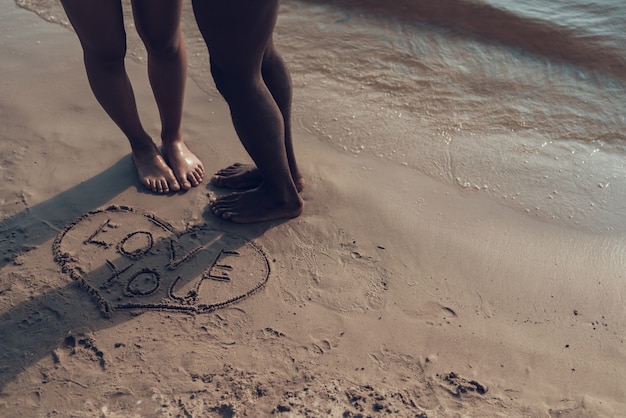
x=393, y=294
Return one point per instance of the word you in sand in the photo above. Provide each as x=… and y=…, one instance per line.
x=130, y=259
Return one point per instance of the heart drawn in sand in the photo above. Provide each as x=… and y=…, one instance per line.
x=129, y=259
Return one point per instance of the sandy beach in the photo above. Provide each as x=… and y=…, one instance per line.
x=392, y=295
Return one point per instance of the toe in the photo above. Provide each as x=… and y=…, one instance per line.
x=174, y=185
x=193, y=179
x=163, y=187
x=217, y=180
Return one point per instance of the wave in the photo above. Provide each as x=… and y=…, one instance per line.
x=544, y=37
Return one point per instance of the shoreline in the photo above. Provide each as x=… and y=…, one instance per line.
x=391, y=291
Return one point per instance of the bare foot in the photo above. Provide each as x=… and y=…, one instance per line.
x=238, y=176
x=153, y=171
x=187, y=168
x=255, y=205
x=244, y=176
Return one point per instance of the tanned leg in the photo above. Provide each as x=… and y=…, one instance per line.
x=238, y=34
x=158, y=24
x=278, y=81
x=100, y=29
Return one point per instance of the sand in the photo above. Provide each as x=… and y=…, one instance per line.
x=392, y=295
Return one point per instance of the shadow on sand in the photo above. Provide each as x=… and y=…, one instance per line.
x=36, y=225
x=136, y=267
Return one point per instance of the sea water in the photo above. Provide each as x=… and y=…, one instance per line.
x=518, y=101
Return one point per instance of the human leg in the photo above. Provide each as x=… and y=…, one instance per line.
x=238, y=34
x=158, y=24
x=100, y=29
x=278, y=81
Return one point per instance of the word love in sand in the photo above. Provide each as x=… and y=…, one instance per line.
x=129, y=259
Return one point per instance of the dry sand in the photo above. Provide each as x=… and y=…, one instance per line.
x=391, y=295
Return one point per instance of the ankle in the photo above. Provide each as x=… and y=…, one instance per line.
x=143, y=146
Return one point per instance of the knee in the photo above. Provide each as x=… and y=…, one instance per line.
x=219, y=78
x=225, y=82
x=230, y=83
x=161, y=44
x=107, y=58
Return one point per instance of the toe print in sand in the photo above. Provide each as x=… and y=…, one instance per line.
x=128, y=259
